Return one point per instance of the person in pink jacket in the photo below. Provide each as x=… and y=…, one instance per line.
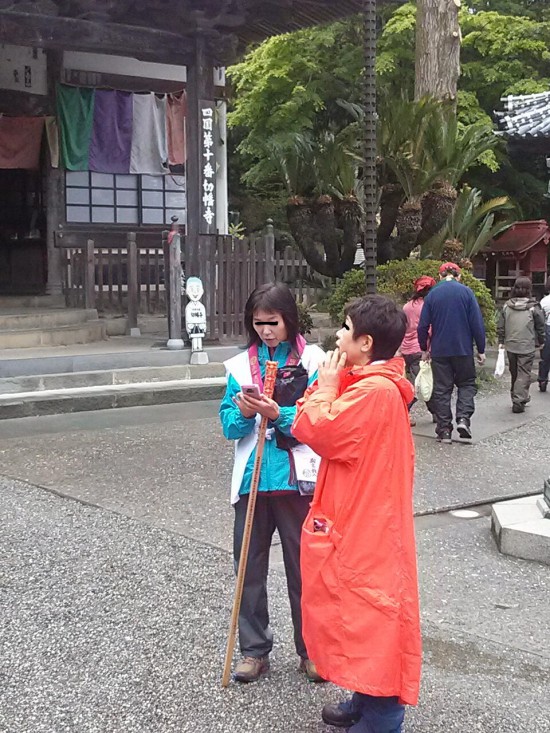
x=410, y=348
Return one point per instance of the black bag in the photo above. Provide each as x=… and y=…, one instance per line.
x=290, y=385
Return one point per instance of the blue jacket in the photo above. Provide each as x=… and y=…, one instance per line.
x=453, y=313
x=275, y=473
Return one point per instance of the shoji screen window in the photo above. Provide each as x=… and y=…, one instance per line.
x=103, y=198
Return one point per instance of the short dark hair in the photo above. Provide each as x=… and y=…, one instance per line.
x=378, y=316
x=274, y=298
x=522, y=288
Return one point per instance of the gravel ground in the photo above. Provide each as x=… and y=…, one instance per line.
x=115, y=605
x=111, y=625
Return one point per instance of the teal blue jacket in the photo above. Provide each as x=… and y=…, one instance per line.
x=275, y=473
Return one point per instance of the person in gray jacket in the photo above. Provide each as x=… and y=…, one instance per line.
x=521, y=331
x=544, y=363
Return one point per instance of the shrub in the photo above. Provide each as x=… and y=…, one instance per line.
x=305, y=320
x=396, y=278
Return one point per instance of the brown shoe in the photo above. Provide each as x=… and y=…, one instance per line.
x=250, y=669
x=310, y=671
x=412, y=421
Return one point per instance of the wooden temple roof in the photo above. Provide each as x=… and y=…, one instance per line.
x=155, y=28
x=519, y=238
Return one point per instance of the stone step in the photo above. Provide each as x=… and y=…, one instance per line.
x=79, y=333
x=22, y=385
x=113, y=354
x=32, y=301
x=321, y=320
x=318, y=335
x=33, y=319
x=101, y=397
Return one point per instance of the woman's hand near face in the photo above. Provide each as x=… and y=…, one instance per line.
x=329, y=370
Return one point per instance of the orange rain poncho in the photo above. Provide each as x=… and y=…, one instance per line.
x=360, y=590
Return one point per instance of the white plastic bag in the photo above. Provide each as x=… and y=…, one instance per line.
x=501, y=362
x=424, y=382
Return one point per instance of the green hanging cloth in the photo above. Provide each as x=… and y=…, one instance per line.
x=75, y=108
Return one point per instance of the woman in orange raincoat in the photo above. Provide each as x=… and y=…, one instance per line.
x=358, y=556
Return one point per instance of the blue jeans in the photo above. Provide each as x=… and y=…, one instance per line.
x=378, y=714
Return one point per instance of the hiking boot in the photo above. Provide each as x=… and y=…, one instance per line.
x=543, y=385
x=518, y=408
x=250, y=669
x=310, y=670
x=464, y=430
x=340, y=715
x=445, y=437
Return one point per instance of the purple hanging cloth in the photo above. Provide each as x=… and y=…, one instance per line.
x=111, y=142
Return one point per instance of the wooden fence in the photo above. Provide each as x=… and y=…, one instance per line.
x=127, y=273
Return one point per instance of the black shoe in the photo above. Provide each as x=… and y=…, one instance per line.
x=543, y=385
x=518, y=408
x=464, y=430
x=340, y=715
x=434, y=419
x=445, y=437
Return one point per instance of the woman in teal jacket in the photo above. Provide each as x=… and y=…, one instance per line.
x=271, y=320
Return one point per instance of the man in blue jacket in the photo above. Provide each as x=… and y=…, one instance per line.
x=452, y=313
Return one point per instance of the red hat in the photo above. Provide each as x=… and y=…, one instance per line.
x=423, y=282
x=449, y=266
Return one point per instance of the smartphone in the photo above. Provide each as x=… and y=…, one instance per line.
x=251, y=390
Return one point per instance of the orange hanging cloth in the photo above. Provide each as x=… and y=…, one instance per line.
x=20, y=141
x=360, y=589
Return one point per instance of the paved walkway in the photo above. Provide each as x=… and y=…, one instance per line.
x=116, y=581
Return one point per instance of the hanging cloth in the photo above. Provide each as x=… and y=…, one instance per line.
x=52, y=136
x=111, y=140
x=76, y=114
x=175, y=129
x=20, y=140
x=149, y=149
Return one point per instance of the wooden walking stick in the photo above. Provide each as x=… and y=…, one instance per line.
x=269, y=385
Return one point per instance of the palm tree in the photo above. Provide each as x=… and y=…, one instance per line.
x=470, y=226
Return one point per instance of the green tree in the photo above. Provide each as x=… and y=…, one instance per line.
x=292, y=83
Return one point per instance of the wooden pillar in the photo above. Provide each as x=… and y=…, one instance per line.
x=89, y=275
x=200, y=86
x=132, y=278
x=175, y=340
x=55, y=189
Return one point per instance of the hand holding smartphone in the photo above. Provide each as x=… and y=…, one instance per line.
x=251, y=390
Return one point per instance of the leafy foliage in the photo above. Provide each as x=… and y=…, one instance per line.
x=305, y=321
x=396, y=278
x=292, y=84
x=473, y=223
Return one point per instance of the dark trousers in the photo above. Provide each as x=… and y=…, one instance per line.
x=520, y=371
x=450, y=372
x=544, y=363
x=285, y=513
x=378, y=714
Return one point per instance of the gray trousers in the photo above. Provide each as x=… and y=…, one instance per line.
x=520, y=371
x=285, y=513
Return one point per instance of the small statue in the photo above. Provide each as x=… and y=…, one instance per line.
x=195, y=319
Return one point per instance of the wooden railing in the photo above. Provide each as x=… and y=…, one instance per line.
x=128, y=273
x=97, y=266
x=308, y=286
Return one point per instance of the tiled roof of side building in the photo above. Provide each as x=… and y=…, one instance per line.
x=525, y=116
